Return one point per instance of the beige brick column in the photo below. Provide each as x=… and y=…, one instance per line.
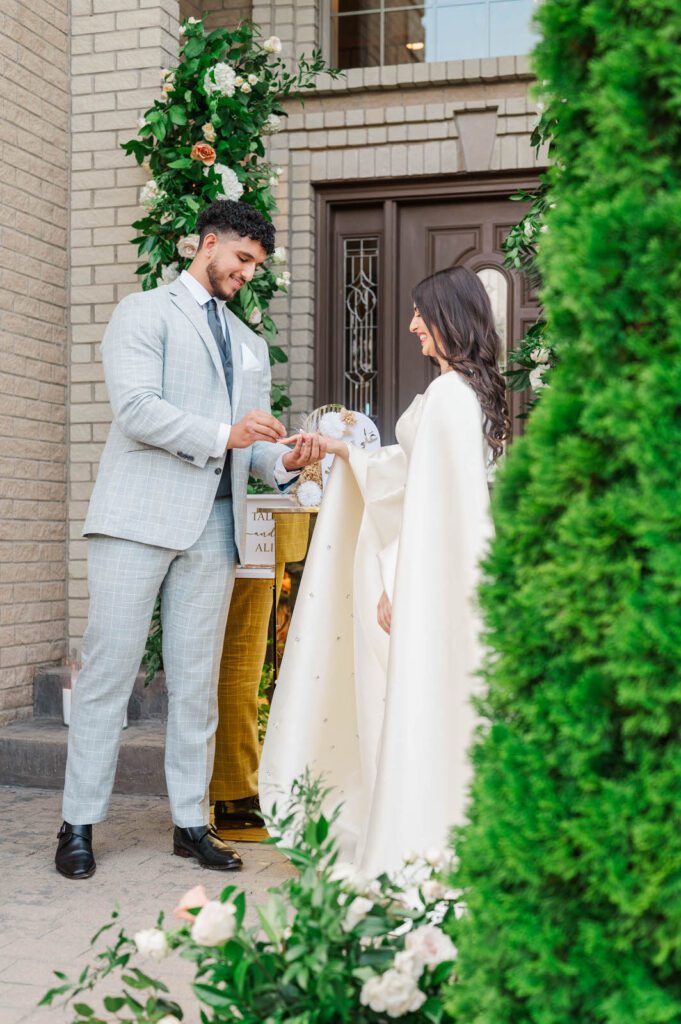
x=33, y=265
x=299, y=28
x=118, y=48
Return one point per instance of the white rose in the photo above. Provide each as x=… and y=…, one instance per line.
x=435, y=857
x=272, y=125
x=238, y=81
x=231, y=186
x=208, y=130
x=406, y=962
x=537, y=377
x=279, y=254
x=272, y=45
x=309, y=495
x=220, y=78
x=170, y=273
x=188, y=246
x=393, y=993
x=253, y=79
x=150, y=194
x=168, y=1019
x=544, y=229
x=430, y=945
x=214, y=924
x=193, y=21
x=245, y=87
x=284, y=280
x=152, y=942
x=541, y=355
x=360, y=906
x=255, y=316
x=433, y=890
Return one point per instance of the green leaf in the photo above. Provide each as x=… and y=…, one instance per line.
x=182, y=163
x=193, y=47
x=83, y=1009
x=113, y=1003
x=212, y=996
x=177, y=114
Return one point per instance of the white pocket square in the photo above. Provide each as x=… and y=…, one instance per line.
x=248, y=360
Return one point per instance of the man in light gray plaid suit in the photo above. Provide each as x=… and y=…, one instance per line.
x=189, y=386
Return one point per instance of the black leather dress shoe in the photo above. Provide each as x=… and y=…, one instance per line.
x=74, y=857
x=238, y=813
x=204, y=843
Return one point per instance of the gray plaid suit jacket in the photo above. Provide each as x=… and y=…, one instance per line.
x=157, y=481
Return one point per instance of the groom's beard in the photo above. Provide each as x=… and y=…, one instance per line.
x=222, y=289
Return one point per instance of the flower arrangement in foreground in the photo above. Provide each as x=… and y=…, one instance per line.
x=330, y=945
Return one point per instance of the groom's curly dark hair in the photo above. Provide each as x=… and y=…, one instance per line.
x=229, y=217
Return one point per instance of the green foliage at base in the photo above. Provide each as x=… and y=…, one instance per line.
x=571, y=864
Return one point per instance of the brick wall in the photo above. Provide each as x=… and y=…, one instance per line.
x=118, y=48
x=33, y=268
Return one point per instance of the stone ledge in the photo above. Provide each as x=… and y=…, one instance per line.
x=450, y=72
x=146, y=703
x=33, y=753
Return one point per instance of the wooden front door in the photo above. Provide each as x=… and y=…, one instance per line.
x=375, y=245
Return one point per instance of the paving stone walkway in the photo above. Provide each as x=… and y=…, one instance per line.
x=46, y=921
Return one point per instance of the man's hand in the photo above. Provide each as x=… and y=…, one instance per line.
x=385, y=610
x=255, y=426
x=308, y=448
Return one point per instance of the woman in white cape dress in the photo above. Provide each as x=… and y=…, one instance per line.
x=383, y=648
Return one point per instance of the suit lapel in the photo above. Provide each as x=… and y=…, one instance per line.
x=235, y=328
x=185, y=302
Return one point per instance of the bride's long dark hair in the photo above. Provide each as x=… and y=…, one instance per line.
x=456, y=309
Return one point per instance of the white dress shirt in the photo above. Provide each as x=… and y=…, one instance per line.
x=203, y=297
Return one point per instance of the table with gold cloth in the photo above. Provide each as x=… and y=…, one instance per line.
x=237, y=749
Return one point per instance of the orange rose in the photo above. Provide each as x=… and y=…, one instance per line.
x=203, y=152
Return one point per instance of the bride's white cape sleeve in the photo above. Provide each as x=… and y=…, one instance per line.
x=389, y=722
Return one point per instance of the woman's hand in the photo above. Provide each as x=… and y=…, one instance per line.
x=384, y=613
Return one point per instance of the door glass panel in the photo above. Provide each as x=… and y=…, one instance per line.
x=496, y=287
x=361, y=324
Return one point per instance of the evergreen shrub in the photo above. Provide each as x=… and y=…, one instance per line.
x=571, y=863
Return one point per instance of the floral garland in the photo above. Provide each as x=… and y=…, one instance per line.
x=203, y=140
x=534, y=357
x=330, y=421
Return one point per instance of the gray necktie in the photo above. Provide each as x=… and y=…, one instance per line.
x=214, y=322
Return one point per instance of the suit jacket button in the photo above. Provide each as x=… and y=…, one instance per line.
x=217, y=472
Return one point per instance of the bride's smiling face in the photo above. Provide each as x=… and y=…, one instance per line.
x=418, y=327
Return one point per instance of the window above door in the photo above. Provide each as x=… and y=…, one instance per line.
x=373, y=33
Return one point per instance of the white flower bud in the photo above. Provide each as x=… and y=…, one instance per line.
x=214, y=924
x=153, y=943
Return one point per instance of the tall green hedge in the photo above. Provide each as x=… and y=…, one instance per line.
x=571, y=862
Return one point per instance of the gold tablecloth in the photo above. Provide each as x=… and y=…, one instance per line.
x=237, y=750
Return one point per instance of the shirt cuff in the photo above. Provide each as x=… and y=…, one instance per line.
x=221, y=440
x=283, y=476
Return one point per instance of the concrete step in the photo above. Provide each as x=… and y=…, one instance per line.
x=146, y=702
x=33, y=753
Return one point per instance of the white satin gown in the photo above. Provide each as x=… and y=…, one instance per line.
x=388, y=720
